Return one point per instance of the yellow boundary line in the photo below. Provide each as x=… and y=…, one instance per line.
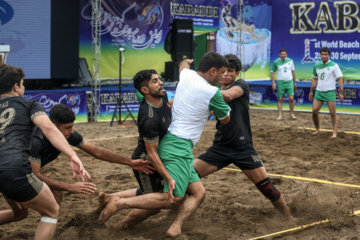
x=307, y=225
x=327, y=130
x=303, y=226
x=305, y=179
x=101, y=139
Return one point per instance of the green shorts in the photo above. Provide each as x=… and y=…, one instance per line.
x=177, y=157
x=328, y=96
x=285, y=87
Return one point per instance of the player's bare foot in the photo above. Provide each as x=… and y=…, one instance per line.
x=279, y=118
x=103, y=199
x=333, y=136
x=316, y=132
x=292, y=116
x=173, y=231
x=112, y=207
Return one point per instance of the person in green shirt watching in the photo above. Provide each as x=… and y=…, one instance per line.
x=286, y=81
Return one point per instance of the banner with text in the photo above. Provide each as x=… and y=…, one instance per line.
x=303, y=27
x=204, y=13
x=138, y=27
x=253, y=47
x=76, y=100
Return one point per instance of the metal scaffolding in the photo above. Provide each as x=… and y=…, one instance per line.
x=241, y=37
x=95, y=59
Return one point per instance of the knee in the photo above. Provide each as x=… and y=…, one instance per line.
x=280, y=100
x=315, y=112
x=54, y=211
x=266, y=187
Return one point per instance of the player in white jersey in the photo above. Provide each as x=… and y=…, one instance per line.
x=325, y=75
x=286, y=81
x=196, y=96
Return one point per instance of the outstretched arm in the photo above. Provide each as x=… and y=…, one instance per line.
x=58, y=140
x=109, y=156
x=231, y=93
x=78, y=187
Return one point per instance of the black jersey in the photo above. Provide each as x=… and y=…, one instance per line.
x=153, y=123
x=42, y=151
x=16, y=115
x=237, y=132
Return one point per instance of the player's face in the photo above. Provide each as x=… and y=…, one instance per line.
x=66, y=129
x=324, y=56
x=229, y=77
x=21, y=90
x=216, y=75
x=156, y=87
x=283, y=55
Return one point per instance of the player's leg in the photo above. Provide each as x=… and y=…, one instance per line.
x=104, y=198
x=146, y=201
x=290, y=93
x=280, y=105
x=280, y=95
x=315, y=115
x=334, y=118
x=196, y=195
x=203, y=168
x=46, y=205
x=262, y=181
x=16, y=213
x=58, y=195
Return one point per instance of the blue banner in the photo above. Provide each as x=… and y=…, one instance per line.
x=262, y=96
x=204, y=13
x=303, y=27
x=75, y=100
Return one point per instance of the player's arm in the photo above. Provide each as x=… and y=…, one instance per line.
x=312, y=88
x=58, y=140
x=232, y=93
x=109, y=156
x=273, y=81
x=341, y=88
x=78, y=187
x=185, y=64
x=151, y=149
x=294, y=79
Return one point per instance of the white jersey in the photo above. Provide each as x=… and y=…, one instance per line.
x=284, y=69
x=193, y=102
x=326, y=74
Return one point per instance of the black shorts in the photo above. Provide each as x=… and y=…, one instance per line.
x=221, y=156
x=149, y=183
x=19, y=186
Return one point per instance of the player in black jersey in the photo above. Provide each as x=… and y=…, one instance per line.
x=43, y=152
x=233, y=142
x=154, y=118
x=20, y=187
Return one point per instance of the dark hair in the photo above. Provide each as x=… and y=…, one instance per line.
x=9, y=75
x=282, y=50
x=325, y=49
x=211, y=59
x=234, y=62
x=60, y=114
x=142, y=78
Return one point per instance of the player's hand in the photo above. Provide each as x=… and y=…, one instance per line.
x=83, y=188
x=273, y=86
x=295, y=87
x=311, y=96
x=171, y=187
x=142, y=165
x=341, y=97
x=78, y=168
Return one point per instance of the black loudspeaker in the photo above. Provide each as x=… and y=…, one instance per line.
x=171, y=71
x=182, y=39
x=84, y=72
